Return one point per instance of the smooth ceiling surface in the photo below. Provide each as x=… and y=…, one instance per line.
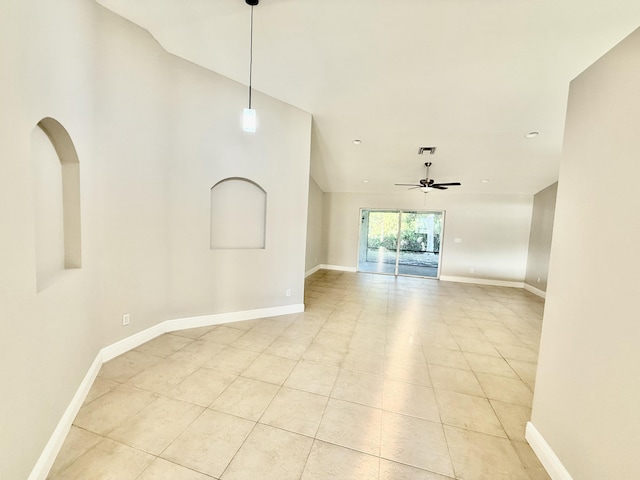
x=471, y=77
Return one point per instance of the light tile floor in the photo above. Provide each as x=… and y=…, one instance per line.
x=381, y=378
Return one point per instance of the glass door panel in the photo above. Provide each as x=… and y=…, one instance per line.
x=378, y=241
x=419, y=252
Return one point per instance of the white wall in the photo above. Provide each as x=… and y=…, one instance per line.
x=494, y=230
x=153, y=134
x=544, y=207
x=587, y=388
x=316, y=248
x=208, y=149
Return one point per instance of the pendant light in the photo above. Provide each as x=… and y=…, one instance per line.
x=249, y=120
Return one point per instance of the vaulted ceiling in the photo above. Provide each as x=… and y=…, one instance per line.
x=470, y=77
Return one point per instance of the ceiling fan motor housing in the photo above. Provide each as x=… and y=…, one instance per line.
x=427, y=184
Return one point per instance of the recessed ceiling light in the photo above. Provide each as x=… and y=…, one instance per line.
x=485, y=180
x=365, y=181
x=357, y=142
x=532, y=134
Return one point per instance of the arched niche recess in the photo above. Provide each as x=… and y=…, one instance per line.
x=56, y=186
x=238, y=214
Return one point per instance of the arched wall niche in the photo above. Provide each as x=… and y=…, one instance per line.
x=56, y=186
x=238, y=214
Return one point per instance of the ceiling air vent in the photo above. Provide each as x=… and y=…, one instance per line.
x=426, y=150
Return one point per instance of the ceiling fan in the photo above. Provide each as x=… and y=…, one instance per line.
x=426, y=184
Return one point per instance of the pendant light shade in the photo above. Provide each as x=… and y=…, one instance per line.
x=249, y=118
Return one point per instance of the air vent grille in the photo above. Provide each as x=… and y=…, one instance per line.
x=426, y=150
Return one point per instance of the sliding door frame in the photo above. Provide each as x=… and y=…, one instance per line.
x=400, y=212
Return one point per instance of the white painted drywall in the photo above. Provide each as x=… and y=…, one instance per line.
x=587, y=388
x=544, y=206
x=153, y=134
x=493, y=230
x=316, y=251
x=238, y=215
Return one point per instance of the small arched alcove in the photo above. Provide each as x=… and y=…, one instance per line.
x=238, y=214
x=56, y=187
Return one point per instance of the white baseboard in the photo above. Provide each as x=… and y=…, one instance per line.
x=482, y=281
x=444, y=278
x=338, y=267
x=545, y=454
x=53, y=446
x=217, y=319
x=312, y=271
x=123, y=346
x=535, y=291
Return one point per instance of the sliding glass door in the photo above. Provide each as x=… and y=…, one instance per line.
x=400, y=242
x=378, y=241
x=419, y=252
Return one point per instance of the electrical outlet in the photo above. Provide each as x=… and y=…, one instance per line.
x=472, y=270
x=538, y=279
x=288, y=292
x=126, y=319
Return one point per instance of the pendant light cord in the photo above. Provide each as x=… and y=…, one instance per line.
x=250, y=57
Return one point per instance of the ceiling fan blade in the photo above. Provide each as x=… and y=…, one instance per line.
x=414, y=187
x=407, y=185
x=449, y=184
x=439, y=187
